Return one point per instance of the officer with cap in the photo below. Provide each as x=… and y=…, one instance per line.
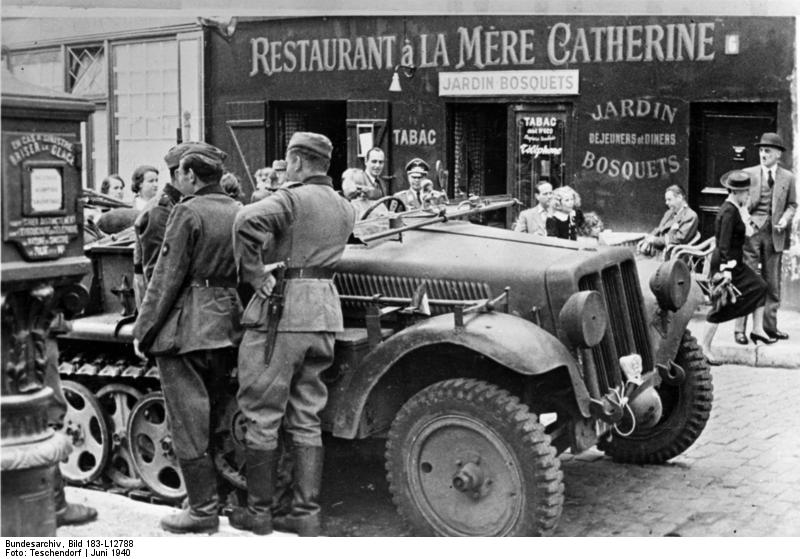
x=773, y=203
x=289, y=330
x=416, y=171
x=151, y=223
x=190, y=320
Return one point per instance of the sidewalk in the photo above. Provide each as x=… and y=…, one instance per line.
x=783, y=354
x=120, y=516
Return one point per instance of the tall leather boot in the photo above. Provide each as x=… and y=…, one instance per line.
x=261, y=472
x=69, y=513
x=202, y=515
x=305, y=518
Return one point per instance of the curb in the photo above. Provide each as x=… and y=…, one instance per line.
x=783, y=354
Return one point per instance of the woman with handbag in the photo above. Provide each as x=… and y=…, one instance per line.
x=736, y=289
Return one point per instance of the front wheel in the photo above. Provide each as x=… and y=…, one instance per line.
x=686, y=408
x=465, y=458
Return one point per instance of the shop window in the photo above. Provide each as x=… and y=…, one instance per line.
x=478, y=150
x=145, y=100
x=43, y=68
x=86, y=74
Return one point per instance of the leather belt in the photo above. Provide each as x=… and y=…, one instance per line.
x=212, y=282
x=311, y=272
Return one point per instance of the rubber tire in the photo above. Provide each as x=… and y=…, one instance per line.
x=499, y=412
x=686, y=411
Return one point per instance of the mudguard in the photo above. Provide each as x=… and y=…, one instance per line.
x=518, y=344
x=666, y=328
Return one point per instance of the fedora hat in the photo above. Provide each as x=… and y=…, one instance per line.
x=773, y=140
x=735, y=180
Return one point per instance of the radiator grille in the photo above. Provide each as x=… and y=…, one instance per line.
x=393, y=286
x=627, y=327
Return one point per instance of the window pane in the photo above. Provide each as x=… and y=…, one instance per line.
x=146, y=113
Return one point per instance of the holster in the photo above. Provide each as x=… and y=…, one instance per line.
x=274, y=312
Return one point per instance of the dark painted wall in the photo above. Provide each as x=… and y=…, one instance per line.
x=624, y=180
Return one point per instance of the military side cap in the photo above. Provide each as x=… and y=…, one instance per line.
x=176, y=152
x=212, y=154
x=315, y=143
x=735, y=180
x=771, y=140
x=417, y=165
x=279, y=165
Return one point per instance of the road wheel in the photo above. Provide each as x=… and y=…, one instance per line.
x=686, y=410
x=465, y=458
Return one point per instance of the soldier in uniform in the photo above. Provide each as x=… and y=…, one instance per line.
x=305, y=226
x=151, y=223
x=189, y=320
x=416, y=171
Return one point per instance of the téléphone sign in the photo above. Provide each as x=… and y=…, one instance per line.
x=510, y=82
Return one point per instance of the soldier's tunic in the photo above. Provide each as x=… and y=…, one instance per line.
x=150, y=226
x=190, y=316
x=305, y=225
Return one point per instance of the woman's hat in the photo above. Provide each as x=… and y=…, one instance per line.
x=735, y=180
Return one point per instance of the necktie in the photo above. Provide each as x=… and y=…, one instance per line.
x=770, y=180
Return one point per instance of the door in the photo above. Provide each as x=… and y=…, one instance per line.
x=246, y=126
x=721, y=138
x=537, y=136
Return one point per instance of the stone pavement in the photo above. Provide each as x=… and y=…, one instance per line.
x=784, y=353
x=120, y=516
x=740, y=478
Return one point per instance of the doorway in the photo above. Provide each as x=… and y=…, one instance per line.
x=322, y=117
x=478, y=153
x=721, y=138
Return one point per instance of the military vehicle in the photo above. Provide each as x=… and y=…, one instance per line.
x=478, y=353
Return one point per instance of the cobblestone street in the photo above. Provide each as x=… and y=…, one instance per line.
x=740, y=478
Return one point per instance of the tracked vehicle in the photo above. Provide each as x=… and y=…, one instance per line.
x=480, y=354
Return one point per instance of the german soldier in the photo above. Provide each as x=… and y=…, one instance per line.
x=151, y=223
x=305, y=225
x=190, y=321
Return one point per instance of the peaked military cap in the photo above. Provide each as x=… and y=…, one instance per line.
x=417, y=165
x=279, y=165
x=772, y=140
x=315, y=143
x=212, y=154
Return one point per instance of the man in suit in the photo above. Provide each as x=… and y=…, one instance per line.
x=533, y=219
x=374, y=161
x=678, y=225
x=773, y=202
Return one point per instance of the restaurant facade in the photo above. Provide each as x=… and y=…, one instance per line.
x=618, y=107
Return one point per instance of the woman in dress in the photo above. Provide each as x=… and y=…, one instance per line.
x=144, y=185
x=567, y=217
x=730, y=230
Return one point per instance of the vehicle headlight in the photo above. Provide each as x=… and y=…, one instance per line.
x=671, y=284
x=583, y=319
